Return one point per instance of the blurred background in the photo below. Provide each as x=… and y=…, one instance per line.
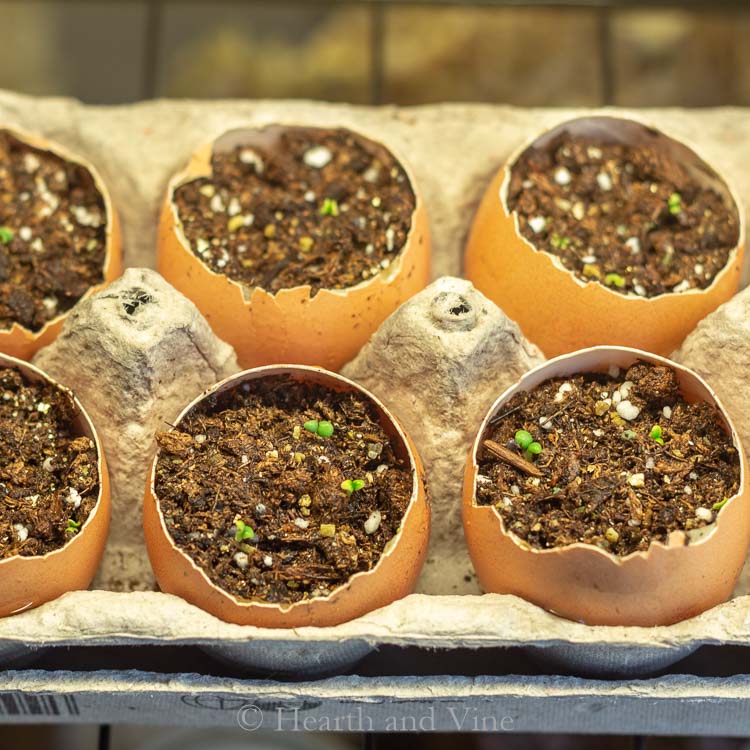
x=624, y=52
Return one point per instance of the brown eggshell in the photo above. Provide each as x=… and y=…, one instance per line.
x=556, y=310
x=27, y=582
x=664, y=584
x=393, y=577
x=19, y=341
x=327, y=329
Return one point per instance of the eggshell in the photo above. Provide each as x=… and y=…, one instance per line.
x=289, y=326
x=19, y=341
x=662, y=585
x=27, y=582
x=561, y=313
x=393, y=577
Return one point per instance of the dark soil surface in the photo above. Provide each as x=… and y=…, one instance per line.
x=323, y=207
x=626, y=217
x=49, y=481
x=624, y=460
x=52, y=234
x=256, y=498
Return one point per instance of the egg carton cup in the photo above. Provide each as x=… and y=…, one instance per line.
x=438, y=363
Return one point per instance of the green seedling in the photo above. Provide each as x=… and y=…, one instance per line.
x=73, y=526
x=720, y=504
x=559, y=242
x=523, y=439
x=243, y=531
x=674, y=202
x=614, y=279
x=323, y=429
x=529, y=446
x=656, y=435
x=330, y=207
x=6, y=235
x=352, y=485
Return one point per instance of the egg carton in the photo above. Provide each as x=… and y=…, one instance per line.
x=439, y=374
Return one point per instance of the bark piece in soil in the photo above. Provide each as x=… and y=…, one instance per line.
x=316, y=206
x=52, y=247
x=49, y=479
x=625, y=460
x=628, y=217
x=256, y=499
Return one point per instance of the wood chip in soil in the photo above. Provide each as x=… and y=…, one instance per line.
x=52, y=234
x=624, y=459
x=321, y=207
x=270, y=509
x=49, y=480
x=627, y=217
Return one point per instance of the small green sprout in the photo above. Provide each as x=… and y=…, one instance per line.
x=656, y=434
x=720, y=504
x=674, y=202
x=243, y=531
x=527, y=444
x=556, y=490
x=330, y=207
x=324, y=429
x=6, y=235
x=559, y=242
x=614, y=279
x=628, y=435
x=352, y=485
x=534, y=449
x=523, y=439
x=73, y=526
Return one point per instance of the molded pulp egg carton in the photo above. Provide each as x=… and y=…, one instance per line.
x=439, y=377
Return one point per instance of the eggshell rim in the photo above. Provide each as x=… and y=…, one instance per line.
x=112, y=229
x=632, y=118
x=677, y=537
x=257, y=373
x=199, y=166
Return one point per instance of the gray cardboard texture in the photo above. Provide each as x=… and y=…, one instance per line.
x=453, y=149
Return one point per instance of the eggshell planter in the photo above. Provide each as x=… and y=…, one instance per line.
x=19, y=341
x=662, y=585
x=393, y=576
x=558, y=311
x=27, y=582
x=291, y=326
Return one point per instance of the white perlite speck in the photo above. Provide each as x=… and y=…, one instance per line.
x=627, y=410
x=25, y=233
x=48, y=464
x=704, y=514
x=562, y=176
x=73, y=497
x=22, y=533
x=637, y=480
x=372, y=524
x=301, y=523
x=317, y=157
x=634, y=245
x=537, y=224
x=42, y=407
x=248, y=156
x=200, y=438
x=241, y=560
x=604, y=181
x=268, y=561
x=667, y=412
x=683, y=286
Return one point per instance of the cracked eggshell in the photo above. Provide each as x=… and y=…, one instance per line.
x=19, y=341
x=557, y=311
x=27, y=582
x=327, y=329
x=393, y=577
x=662, y=585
